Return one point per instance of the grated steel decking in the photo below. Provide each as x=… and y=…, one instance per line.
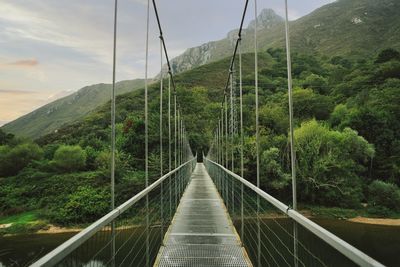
x=201, y=233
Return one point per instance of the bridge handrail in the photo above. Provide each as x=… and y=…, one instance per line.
x=63, y=250
x=354, y=254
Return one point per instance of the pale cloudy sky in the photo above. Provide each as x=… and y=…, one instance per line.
x=49, y=48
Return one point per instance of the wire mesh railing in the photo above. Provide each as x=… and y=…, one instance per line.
x=276, y=235
x=131, y=234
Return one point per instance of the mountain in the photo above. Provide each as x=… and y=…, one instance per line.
x=216, y=50
x=346, y=27
x=68, y=109
x=349, y=28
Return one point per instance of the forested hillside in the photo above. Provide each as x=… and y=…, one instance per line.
x=347, y=139
x=66, y=110
x=350, y=28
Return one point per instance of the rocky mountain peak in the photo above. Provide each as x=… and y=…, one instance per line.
x=266, y=19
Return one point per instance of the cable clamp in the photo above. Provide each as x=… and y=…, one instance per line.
x=288, y=208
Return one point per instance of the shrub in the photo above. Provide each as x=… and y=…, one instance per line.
x=386, y=195
x=85, y=205
x=13, y=160
x=387, y=55
x=70, y=158
x=329, y=164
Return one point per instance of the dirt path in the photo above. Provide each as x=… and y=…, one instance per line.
x=378, y=221
x=57, y=230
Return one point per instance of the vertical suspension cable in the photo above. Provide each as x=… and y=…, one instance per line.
x=292, y=150
x=219, y=151
x=232, y=130
x=241, y=139
x=226, y=131
x=226, y=148
x=113, y=132
x=218, y=147
x=290, y=94
x=222, y=136
x=161, y=140
x=257, y=134
x=175, y=147
x=179, y=151
x=146, y=141
x=222, y=147
x=169, y=145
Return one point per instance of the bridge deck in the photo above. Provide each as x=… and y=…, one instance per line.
x=201, y=233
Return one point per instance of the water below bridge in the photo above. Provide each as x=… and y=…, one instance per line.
x=380, y=242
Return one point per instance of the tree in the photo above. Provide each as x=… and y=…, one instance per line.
x=5, y=138
x=384, y=195
x=13, y=160
x=387, y=55
x=329, y=164
x=308, y=104
x=70, y=158
x=387, y=70
x=85, y=205
x=273, y=173
x=317, y=83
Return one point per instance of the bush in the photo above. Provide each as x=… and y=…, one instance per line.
x=70, y=158
x=308, y=104
x=85, y=205
x=317, y=83
x=387, y=55
x=330, y=163
x=5, y=138
x=386, y=195
x=13, y=160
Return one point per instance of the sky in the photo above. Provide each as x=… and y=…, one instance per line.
x=49, y=49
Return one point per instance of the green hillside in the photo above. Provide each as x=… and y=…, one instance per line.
x=351, y=28
x=347, y=131
x=355, y=28
x=345, y=27
x=66, y=110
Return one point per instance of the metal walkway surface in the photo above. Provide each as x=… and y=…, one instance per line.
x=202, y=233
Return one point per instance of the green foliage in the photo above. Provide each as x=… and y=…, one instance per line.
x=53, y=116
x=273, y=173
x=307, y=104
x=70, y=158
x=317, y=83
x=387, y=70
x=13, y=160
x=85, y=205
x=329, y=163
x=383, y=196
x=5, y=138
x=274, y=117
x=335, y=163
x=388, y=55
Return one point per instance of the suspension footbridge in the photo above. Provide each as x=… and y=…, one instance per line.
x=201, y=210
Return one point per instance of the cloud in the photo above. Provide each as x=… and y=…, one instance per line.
x=23, y=63
x=16, y=92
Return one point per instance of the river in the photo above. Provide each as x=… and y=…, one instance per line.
x=378, y=241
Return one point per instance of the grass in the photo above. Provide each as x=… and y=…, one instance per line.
x=24, y=223
x=22, y=218
x=344, y=213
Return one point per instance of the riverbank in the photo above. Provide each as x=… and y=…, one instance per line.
x=31, y=222
x=376, y=221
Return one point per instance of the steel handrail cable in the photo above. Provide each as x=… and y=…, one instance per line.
x=280, y=226
x=280, y=240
